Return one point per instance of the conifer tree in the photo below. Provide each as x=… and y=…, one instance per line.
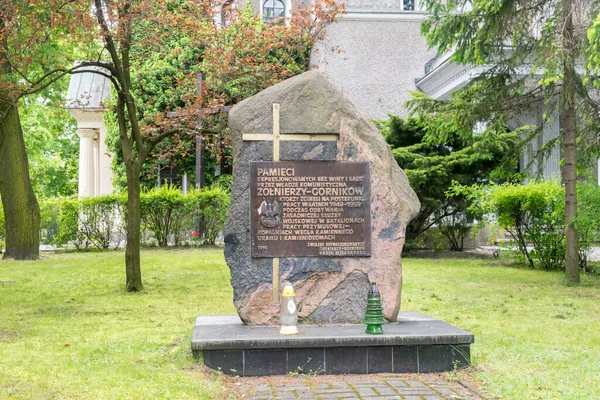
x=535, y=56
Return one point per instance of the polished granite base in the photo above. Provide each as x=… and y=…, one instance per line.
x=416, y=343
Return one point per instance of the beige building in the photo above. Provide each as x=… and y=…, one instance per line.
x=381, y=54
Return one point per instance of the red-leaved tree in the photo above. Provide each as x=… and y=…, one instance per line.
x=121, y=36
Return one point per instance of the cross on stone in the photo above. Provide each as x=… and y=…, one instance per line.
x=276, y=138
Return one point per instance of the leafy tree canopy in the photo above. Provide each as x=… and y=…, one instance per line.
x=236, y=61
x=52, y=147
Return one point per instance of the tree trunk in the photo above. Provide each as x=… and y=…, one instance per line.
x=21, y=209
x=570, y=179
x=133, y=272
x=569, y=123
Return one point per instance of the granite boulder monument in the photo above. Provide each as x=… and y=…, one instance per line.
x=318, y=200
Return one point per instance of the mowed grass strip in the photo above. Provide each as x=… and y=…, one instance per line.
x=534, y=337
x=69, y=330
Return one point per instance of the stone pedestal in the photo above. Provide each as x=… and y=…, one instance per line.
x=417, y=343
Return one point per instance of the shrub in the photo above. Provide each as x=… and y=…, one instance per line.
x=587, y=223
x=455, y=227
x=94, y=222
x=49, y=220
x=99, y=222
x=211, y=206
x=431, y=239
x=68, y=215
x=164, y=211
x=168, y=213
x=224, y=182
x=533, y=214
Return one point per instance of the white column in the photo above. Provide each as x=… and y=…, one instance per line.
x=96, y=165
x=86, y=162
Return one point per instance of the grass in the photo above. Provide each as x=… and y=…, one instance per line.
x=68, y=330
x=534, y=337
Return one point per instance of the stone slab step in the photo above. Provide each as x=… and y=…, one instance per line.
x=416, y=343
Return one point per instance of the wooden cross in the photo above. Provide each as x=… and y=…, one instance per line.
x=276, y=137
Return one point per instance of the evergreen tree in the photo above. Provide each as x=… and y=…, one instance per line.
x=536, y=55
x=432, y=167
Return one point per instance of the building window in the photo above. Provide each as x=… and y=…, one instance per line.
x=226, y=11
x=273, y=9
x=409, y=5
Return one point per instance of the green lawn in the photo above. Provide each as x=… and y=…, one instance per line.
x=68, y=330
x=534, y=337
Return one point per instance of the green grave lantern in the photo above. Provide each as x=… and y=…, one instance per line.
x=374, y=314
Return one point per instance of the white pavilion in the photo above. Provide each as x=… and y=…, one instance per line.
x=86, y=99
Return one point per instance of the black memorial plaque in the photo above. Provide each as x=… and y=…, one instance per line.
x=310, y=209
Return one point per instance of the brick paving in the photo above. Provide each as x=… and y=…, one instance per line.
x=367, y=387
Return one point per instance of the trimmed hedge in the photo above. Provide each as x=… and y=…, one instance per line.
x=168, y=216
x=95, y=222
x=172, y=216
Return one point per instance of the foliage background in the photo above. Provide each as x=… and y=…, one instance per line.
x=431, y=167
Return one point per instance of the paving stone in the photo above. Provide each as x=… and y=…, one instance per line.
x=374, y=384
x=366, y=391
x=416, y=384
x=306, y=395
x=339, y=396
x=323, y=386
x=333, y=391
x=340, y=385
x=244, y=388
x=396, y=383
x=385, y=390
x=360, y=379
x=286, y=396
x=445, y=390
x=370, y=387
x=260, y=388
x=423, y=390
x=262, y=392
x=377, y=387
x=381, y=390
x=289, y=388
x=463, y=392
